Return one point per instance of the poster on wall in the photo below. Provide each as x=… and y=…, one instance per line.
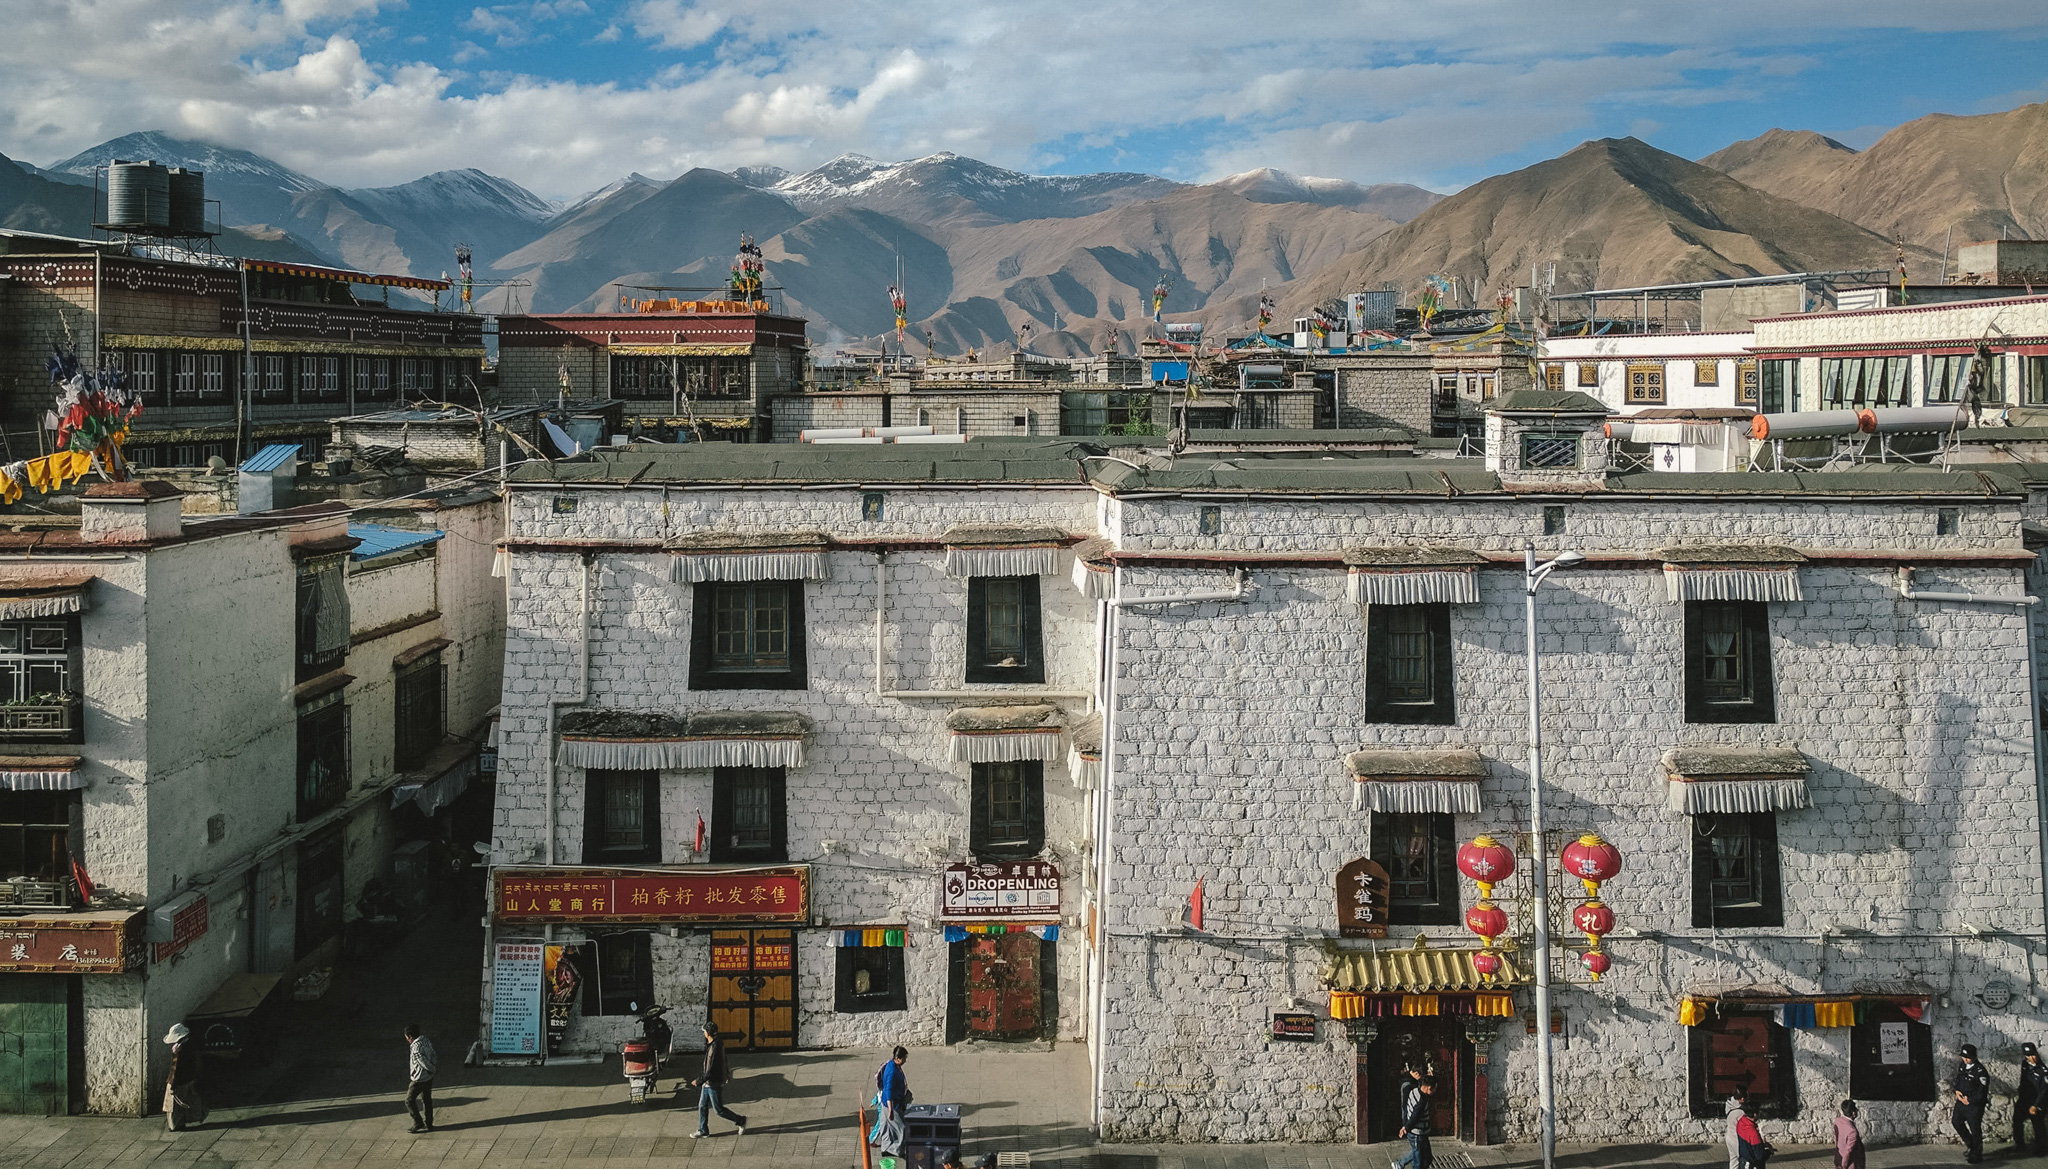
x=1023, y=890
x=1892, y=1045
x=515, y=998
x=562, y=981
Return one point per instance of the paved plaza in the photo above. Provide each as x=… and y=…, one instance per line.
x=333, y=1098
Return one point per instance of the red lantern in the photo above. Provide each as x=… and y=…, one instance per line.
x=1596, y=963
x=1593, y=919
x=1487, y=920
x=1486, y=962
x=1592, y=860
x=1486, y=861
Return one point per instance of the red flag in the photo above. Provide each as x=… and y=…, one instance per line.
x=699, y=845
x=85, y=885
x=1195, y=905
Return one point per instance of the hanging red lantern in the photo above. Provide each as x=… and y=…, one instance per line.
x=1593, y=919
x=1596, y=963
x=1487, y=920
x=1592, y=860
x=1486, y=962
x=1486, y=861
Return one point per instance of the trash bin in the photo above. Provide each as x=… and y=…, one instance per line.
x=931, y=1133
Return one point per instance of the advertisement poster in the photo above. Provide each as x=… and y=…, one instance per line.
x=562, y=981
x=1023, y=890
x=515, y=999
x=1891, y=1045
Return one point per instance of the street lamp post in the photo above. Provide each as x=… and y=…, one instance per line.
x=1546, y=1092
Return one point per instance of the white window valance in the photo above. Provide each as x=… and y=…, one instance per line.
x=998, y=551
x=21, y=602
x=1093, y=573
x=1732, y=573
x=1084, y=753
x=434, y=794
x=1004, y=734
x=1701, y=780
x=636, y=741
x=1436, y=780
x=32, y=773
x=742, y=556
x=1412, y=575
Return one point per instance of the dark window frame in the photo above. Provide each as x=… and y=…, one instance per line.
x=598, y=784
x=706, y=674
x=20, y=666
x=419, y=711
x=311, y=662
x=1767, y=907
x=615, y=985
x=1030, y=668
x=36, y=823
x=982, y=793
x=725, y=788
x=1870, y=1079
x=1778, y=386
x=323, y=740
x=1761, y=703
x=1380, y=704
x=1706, y=1098
x=887, y=961
x=1441, y=829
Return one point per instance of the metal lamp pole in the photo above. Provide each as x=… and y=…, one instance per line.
x=1546, y=1092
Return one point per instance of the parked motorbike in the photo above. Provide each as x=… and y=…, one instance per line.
x=642, y=1057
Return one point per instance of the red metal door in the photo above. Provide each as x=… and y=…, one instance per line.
x=1740, y=1057
x=1003, y=986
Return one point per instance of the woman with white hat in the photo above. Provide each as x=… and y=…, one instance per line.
x=182, y=1106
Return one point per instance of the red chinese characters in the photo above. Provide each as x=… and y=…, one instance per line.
x=781, y=894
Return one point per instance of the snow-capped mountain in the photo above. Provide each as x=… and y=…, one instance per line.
x=1399, y=202
x=461, y=192
x=946, y=186
x=763, y=177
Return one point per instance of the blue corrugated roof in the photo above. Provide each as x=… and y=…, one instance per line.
x=379, y=540
x=272, y=457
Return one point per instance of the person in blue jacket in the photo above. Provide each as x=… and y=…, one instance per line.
x=892, y=1098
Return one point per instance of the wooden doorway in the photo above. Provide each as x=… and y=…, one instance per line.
x=1439, y=1045
x=1742, y=1049
x=753, y=988
x=1004, y=987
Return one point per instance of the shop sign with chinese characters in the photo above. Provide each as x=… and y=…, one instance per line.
x=71, y=945
x=1363, y=896
x=1019, y=890
x=625, y=896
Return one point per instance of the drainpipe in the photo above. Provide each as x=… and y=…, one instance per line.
x=2024, y=603
x=1103, y=844
x=555, y=705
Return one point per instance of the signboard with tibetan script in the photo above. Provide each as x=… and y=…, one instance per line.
x=1293, y=1027
x=1016, y=890
x=84, y=944
x=678, y=896
x=1363, y=896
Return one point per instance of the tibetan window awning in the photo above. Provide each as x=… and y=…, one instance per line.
x=1736, y=779
x=1004, y=734
x=43, y=598
x=1420, y=969
x=41, y=773
x=1732, y=572
x=1411, y=575
x=1084, y=753
x=743, y=556
x=1416, y=781
x=997, y=551
x=1093, y=573
x=617, y=740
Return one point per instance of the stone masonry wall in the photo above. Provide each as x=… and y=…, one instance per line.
x=1388, y=391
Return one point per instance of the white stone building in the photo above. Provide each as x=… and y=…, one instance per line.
x=1634, y=372
x=215, y=722
x=1769, y=691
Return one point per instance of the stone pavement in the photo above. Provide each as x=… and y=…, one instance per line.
x=333, y=1098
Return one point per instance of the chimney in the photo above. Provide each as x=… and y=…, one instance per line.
x=134, y=512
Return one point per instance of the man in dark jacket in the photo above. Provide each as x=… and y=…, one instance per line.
x=2030, y=1106
x=1972, y=1088
x=182, y=1106
x=1415, y=1125
x=710, y=1085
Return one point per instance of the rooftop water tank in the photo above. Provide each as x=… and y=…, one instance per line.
x=138, y=195
x=188, y=201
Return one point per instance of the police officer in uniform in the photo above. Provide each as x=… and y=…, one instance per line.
x=1972, y=1088
x=2030, y=1105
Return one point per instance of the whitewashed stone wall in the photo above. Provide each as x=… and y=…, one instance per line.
x=876, y=777
x=1235, y=716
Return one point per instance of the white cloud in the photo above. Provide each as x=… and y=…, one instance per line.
x=1379, y=90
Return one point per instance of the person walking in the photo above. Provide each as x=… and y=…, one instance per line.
x=710, y=1085
x=1848, y=1139
x=1972, y=1087
x=1415, y=1125
x=420, y=1065
x=1755, y=1149
x=1736, y=1111
x=2030, y=1106
x=183, y=1108
x=892, y=1100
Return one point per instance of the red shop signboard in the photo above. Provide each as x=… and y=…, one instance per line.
x=623, y=896
x=70, y=945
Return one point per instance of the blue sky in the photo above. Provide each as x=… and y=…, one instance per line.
x=566, y=95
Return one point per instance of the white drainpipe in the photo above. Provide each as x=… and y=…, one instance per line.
x=555, y=705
